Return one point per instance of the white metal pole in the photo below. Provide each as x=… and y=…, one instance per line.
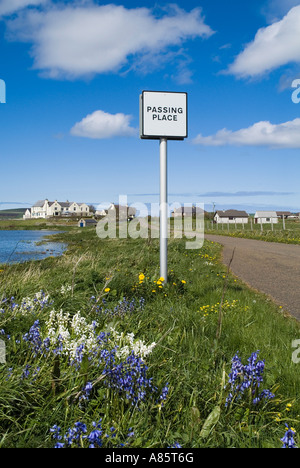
x=163, y=209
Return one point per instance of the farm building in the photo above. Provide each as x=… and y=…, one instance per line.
x=285, y=215
x=266, y=217
x=87, y=222
x=231, y=217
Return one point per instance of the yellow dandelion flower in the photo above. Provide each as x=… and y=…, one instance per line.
x=106, y=290
x=183, y=281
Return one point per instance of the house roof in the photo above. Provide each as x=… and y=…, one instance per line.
x=52, y=203
x=283, y=213
x=89, y=221
x=232, y=213
x=67, y=204
x=39, y=204
x=266, y=214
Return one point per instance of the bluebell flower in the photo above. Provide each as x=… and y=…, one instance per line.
x=95, y=438
x=59, y=445
x=164, y=394
x=59, y=346
x=56, y=430
x=288, y=439
x=129, y=377
x=176, y=445
x=86, y=391
x=249, y=376
x=26, y=372
x=74, y=435
x=80, y=437
x=33, y=337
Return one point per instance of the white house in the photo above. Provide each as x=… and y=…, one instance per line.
x=101, y=212
x=266, y=217
x=231, y=217
x=48, y=209
x=78, y=208
x=27, y=214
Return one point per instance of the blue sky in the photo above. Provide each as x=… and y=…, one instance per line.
x=74, y=71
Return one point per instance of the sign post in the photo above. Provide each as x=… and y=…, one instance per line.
x=163, y=209
x=163, y=117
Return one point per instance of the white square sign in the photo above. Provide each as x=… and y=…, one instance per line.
x=163, y=115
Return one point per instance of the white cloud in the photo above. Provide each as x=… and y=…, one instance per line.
x=76, y=40
x=7, y=7
x=285, y=135
x=101, y=125
x=273, y=47
x=276, y=9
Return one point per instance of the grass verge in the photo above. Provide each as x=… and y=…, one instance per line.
x=81, y=351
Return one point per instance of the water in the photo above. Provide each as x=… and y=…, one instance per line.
x=21, y=246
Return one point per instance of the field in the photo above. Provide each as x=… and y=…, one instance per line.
x=288, y=233
x=100, y=353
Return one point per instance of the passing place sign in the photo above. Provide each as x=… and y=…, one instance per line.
x=163, y=115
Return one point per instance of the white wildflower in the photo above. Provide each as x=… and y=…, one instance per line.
x=127, y=344
x=65, y=289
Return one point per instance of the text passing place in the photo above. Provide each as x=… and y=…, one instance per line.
x=163, y=115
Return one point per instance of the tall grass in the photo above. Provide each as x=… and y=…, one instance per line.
x=185, y=398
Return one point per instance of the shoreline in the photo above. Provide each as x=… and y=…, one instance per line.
x=51, y=247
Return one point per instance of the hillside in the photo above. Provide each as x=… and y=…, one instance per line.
x=16, y=213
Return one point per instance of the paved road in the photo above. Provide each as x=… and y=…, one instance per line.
x=269, y=267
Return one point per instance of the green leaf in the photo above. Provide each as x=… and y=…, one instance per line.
x=210, y=422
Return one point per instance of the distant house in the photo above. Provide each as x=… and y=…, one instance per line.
x=231, y=217
x=284, y=214
x=293, y=216
x=122, y=212
x=266, y=217
x=87, y=222
x=27, y=214
x=100, y=213
x=51, y=209
x=187, y=211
